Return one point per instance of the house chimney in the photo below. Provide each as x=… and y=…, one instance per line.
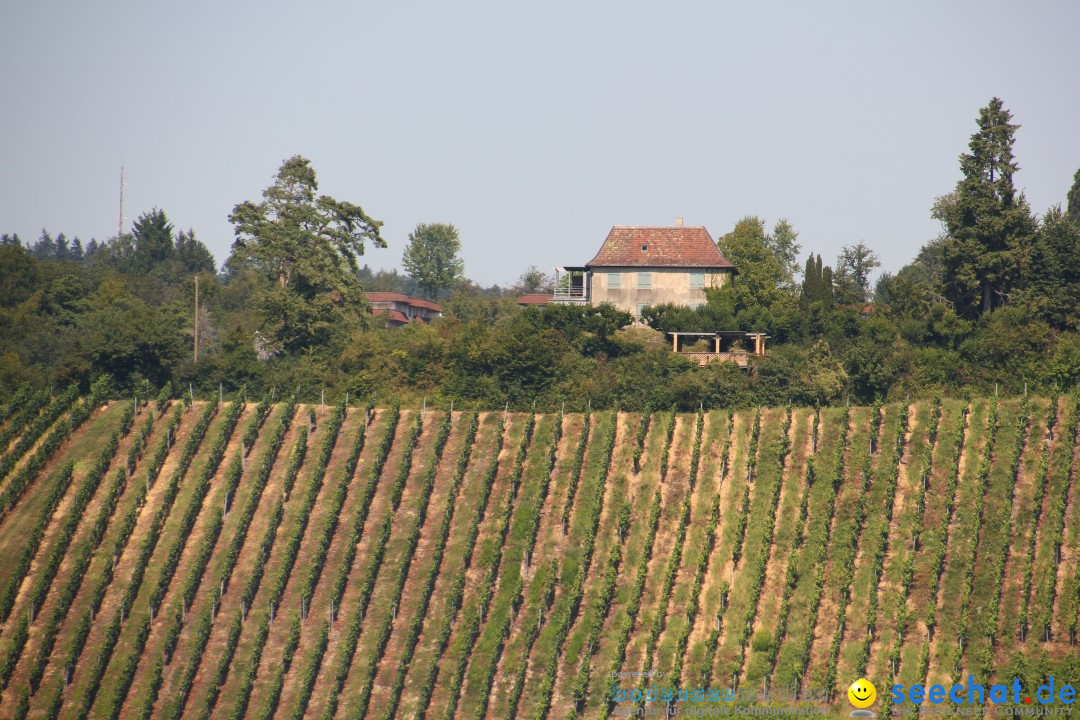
x=678, y=221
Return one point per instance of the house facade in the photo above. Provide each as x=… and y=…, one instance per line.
x=400, y=309
x=639, y=266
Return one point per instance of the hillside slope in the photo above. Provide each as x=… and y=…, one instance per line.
x=295, y=561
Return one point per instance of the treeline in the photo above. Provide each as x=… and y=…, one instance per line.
x=992, y=302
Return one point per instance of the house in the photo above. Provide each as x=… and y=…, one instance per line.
x=534, y=299
x=400, y=309
x=639, y=266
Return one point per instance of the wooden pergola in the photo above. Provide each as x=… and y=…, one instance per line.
x=722, y=340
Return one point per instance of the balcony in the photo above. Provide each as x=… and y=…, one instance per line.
x=571, y=285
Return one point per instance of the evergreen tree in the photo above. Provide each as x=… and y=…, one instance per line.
x=1052, y=289
x=811, y=281
x=44, y=248
x=1072, y=207
x=61, y=250
x=304, y=248
x=826, y=285
x=77, y=253
x=192, y=254
x=989, y=226
x=153, y=234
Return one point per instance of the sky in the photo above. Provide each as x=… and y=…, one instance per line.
x=533, y=128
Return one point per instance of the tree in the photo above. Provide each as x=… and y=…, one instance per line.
x=534, y=280
x=765, y=283
x=1052, y=288
x=304, y=247
x=153, y=234
x=1072, y=206
x=989, y=226
x=852, y=278
x=817, y=284
x=431, y=257
x=783, y=242
x=192, y=254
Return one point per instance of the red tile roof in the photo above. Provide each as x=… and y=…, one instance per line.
x=395, y=316
x=679, y=246
x=402, y=298
x=535, y=299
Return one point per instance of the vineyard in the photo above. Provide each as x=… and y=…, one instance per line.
x=203, y=559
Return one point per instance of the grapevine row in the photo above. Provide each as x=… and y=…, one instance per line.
x=22, y=627
x=671, y=570
x=575, y=474
x=65, y=535
x=356, y=530
x=1041, y=476
x=172, y=560
x=768, y=527
x=907, y=570
x=878, y=543
x=442, y=536
x=50, y=412
x=475, y=620
x=112, y=633
x=700, y=567
x=744, y=505
x=427, y=487
x=126, y=528
x=802, y=657
x=984, y=658
x=457, y=590
x=629, y=617
x=975, y=536
x=13, y=491
x=577, y=589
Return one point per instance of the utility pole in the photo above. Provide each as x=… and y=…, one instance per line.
x=196, y=319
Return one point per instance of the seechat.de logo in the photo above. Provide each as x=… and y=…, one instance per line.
x=974, y=692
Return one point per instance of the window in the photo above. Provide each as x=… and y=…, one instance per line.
x=614, y=281
x=697, y=280
x=696, y=304
x=644, y=280
x=640, y=307
x=644, y=248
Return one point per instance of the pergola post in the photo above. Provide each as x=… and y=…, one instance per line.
x=716, y=343
x=675, y=342
x=762, y=346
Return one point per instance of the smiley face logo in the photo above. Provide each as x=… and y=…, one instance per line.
x=862, y=693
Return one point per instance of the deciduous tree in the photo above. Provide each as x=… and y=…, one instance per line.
x=431, y=257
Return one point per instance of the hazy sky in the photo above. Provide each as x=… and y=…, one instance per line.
x=532, y=127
